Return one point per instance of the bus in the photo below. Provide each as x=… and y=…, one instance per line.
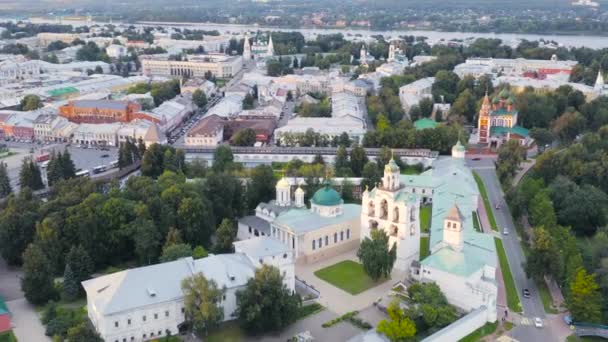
x=83, y=173
x=43, y=157
x=113, y=164
x=99, y=169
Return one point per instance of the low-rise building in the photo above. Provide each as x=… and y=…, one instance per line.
x=145, y=303
x=513, y=67
x=194, y=84
x=116, y=51
x=103, y=111
x=208, y=132
x=411, y=94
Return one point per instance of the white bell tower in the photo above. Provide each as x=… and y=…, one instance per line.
x=283, y=193
x=299, y=194
x=391, y=53
x=452, y=228
x=363, y=55
x=246, y=48
x=391, y=179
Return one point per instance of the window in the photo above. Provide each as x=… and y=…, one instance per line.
x=116, y=324
x=132, y=338
x=124, y=339
x=144, y=335
x=160, y=333
x=155, y=316
x=335, y=237
x=183, y=310
x=285, y=256
x=249, y=230
x=144, y=318
x=129, y=321
x=326, y=240
x=224, y=297
x=151, y=334
x=449, y=224
x=347, y=234
x=320, y=242
x=314, y=244
x=342, y=236
x=166, y=313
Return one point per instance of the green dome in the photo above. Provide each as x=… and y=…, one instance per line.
x=504, y=94
x=495, y=100
x=326, y=196
x=509, y=101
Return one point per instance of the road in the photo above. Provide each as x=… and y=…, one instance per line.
x=532, y=307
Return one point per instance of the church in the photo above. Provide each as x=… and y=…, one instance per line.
x=260, y=48
x=497, y=121
x=328, y=228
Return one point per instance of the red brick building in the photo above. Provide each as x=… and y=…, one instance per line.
x=103, y=111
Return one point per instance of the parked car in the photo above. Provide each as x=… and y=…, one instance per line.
x=526, y=293
x=505, y=231
x=538, y=322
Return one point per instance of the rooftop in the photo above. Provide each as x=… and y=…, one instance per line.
x=303, y=220
x=261, y=246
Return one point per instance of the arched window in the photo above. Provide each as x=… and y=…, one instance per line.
x=326, y=240
x=449, y=224
x=314, y=244
x=342, y=236
x=348, y=234
x=320, y=242
x=383, y=209
x=396, y=214
x=371, y=209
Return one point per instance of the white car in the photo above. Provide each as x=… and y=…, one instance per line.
x=538, y=322
x=505, y=231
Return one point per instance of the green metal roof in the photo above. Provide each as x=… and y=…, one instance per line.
x=502, y=111
x=326, y=196
x=304, y=220
x=514, y=130
x=62, y=91
x=425, y=123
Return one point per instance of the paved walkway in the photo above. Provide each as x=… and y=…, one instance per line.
x=525, y=167
x=27, y=325
x=337, y=299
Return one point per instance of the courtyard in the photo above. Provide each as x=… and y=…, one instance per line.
x=349, y=276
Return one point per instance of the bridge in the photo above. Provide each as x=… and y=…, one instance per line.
x=252, y=156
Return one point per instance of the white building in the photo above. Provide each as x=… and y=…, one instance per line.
x=173, y=112
x=411, y=94
x=146, y=303
x=116, y=51
x=392, y=208
x=208, y=132
x=513, y=67
x=219, y=65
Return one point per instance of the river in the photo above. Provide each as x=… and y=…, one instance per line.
x=590, y=41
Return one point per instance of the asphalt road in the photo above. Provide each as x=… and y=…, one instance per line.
x=532, y=307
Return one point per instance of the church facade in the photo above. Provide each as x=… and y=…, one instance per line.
x=497, y=121
x=260, y=49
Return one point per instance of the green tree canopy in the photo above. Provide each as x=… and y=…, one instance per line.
x=201, y=298
x=375, y=255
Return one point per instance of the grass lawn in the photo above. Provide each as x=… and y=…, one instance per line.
x=310, y=309
x=349, y=276
x=508, y=325
x=8, y=336
x=512, y=297
x=425, y=217
x=574, y=338
x=487, y=329
x=476, y=222
x=486, y=201
x=424, y=247
x=226, y=332
x=7, y=154
x=410, y=170
x=545, y=297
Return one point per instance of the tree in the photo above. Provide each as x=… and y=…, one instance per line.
x=400, y=327
x=29, y=175
x=55, y=168
x=37, y=282
x=371, y=175
x=375, y=255
x=147, y=240
x=465, y=105
x=341, y=161
x=201, y=299
x=199, y=98
x=510, y=155
x=248, y=102
x=81, y=267
x=261, y=187
x=222, y=158
x=358, y=159
x=5, y=181
x=544, y=258
x=175, y=251
x=18, y=225
x=83, y=332
x=244, y=137
x=541, y=211
x=585, y=298
x=69, y=170
x=30, y=102
x=569, y=125
x=199, y=252
x=266, y=304
x=71, y=286
x=225, y=235
x=542, y=136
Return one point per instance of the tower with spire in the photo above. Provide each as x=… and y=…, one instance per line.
x=270, y=51
x=391, y=52
x=483, y=125
x=246, y=48
x=599, y=82
x=363, y=55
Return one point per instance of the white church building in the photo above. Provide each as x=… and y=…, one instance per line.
x=146, y=303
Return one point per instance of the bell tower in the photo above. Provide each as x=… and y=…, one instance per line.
x=283, y=193
x=391, y=179
x=483, y=126
x=452, y=228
